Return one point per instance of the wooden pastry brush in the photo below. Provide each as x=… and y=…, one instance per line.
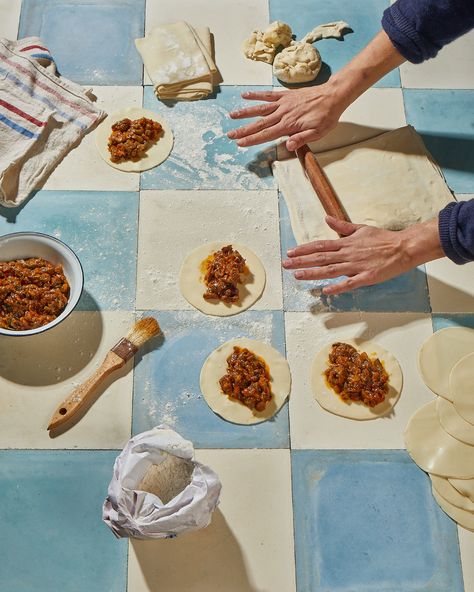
x=116, y=358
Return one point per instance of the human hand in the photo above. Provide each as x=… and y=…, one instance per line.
x=365, y=254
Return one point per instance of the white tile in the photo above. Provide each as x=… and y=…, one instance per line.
x=314, y=427
x=38, y=372
x=466, y=545
x=230, y=22
x=249, y=545
x=173, y=223
x=83, y=169
x=453, y=67
x=9, y=18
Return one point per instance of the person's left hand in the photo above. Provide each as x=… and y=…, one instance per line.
x=365, y=254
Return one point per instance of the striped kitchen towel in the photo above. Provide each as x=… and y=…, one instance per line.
x=42, y=117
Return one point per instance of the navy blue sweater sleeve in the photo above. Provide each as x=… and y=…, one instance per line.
x=420, y=28
x=456, y=231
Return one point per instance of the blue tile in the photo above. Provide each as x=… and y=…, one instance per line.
x=203, y=157
x=366, y=521
x=363, y=17
x=52, y=534
x=445, y=119
x=101, y=228
x=92, y=41
x=440, y=321
x=166, y=387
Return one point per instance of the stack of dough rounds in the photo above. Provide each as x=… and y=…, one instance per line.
x=440, y=436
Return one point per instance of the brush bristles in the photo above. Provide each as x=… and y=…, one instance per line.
x=143, y=330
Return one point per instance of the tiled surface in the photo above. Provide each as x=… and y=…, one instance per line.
x=131, y=233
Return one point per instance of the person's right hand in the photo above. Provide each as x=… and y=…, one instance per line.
x=305, y=115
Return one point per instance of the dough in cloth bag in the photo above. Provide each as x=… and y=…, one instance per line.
x=157, y=489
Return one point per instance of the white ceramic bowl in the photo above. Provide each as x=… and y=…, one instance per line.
x=22, y=245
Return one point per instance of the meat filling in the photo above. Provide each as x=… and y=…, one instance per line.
x=222, y=274
x=130, y=139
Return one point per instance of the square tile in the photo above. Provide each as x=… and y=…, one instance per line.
x=83, y=169
x=373, y=525
x=363, y=17
x=38, y=372
x=109, y=26
x=166, y=387
x=174, y=223
x=203, y=157
x=445, y=119
x=440, y=321
x=230, y=23
x=101, y=228
x=466, y=545
x=53, y=502
x=453, y=67
x=9, y=18
x=247, y=547
x=306, y=334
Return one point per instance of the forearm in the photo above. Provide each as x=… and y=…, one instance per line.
x=421, y=242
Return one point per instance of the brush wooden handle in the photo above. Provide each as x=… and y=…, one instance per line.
x=321, y=185
x=83, y=393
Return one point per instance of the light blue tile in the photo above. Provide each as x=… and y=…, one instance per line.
x=364, y=17
x=101, y=228
x=203, y=157
x=445, y=119
x=366, y=521
x=166, y=380
x=440, y=321
x=92, y=41
x=53, y=537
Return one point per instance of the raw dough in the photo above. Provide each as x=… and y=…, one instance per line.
x=434, y=450
x=439, y=353
x=451, y=494
x=330, y=401
x=463, y=518
x=335, y=30
x=215, y=367
x=390, y=181
x=155, y=155
x=262, y=45
x=461, y=382
x=278, y=34
x=300, y=62
x=192, y=285
x=453, y=423
x=464, y=486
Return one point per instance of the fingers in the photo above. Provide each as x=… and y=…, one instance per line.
x=324, y=273
x=313, y=260
x=346, y=285
x=297, y=140
x=267, y=135
x=342, y=227
x=262, y=95
x=254, y=111
x=315, y=247
x=253, y=128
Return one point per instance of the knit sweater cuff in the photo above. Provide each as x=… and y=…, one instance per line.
x=447, y=225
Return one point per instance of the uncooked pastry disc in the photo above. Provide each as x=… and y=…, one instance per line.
x=434, y=450
x=333, y=403
x=216, y=366
x=440, y=352
x=464, y=486
x=463, y=518
x=451, y=494
x=155, y=155
x=192, y=286
x=461, y=386
x=453, y=423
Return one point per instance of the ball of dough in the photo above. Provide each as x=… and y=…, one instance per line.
x=277, y=34
x=255, y=48
x=300, y=62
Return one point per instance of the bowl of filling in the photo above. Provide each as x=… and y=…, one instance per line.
x=41, y=281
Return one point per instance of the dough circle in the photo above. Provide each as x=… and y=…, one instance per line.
x=299, y=62
x=215, y=367
x=439, y=353
x=155, y=155
x=451, y=494
x=333, y=403
x=434, y=450
x=191, y=282
x=463, y=518
x=460, y=386
x=453, y=423
x=464, y=486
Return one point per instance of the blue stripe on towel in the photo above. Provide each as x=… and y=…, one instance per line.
x=21, y=130
x=43, y=56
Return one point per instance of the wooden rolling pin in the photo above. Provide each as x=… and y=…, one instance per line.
x=321, y=185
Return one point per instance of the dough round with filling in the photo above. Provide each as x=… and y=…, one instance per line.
x=192, y=286
x=463, y=518
x=439, y=353
x=215, y=367
x=332, y=402
x=434, y=450
x=277, y=34
x=300, y=62
x=451, y=494
x=461, y=382
x=453, y=423
x=464, y=486
x=156, y=153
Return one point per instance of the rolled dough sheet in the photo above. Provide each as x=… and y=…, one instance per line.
x=215, y=367
x=461, y=385
x=330, y=401
x=390, y=181
x=192, y=286
x=463, y=518
x=434, y=450
x=464, y=486
x=440, y=353
x=451, y=494
x=156, y=153
x=453, y=423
